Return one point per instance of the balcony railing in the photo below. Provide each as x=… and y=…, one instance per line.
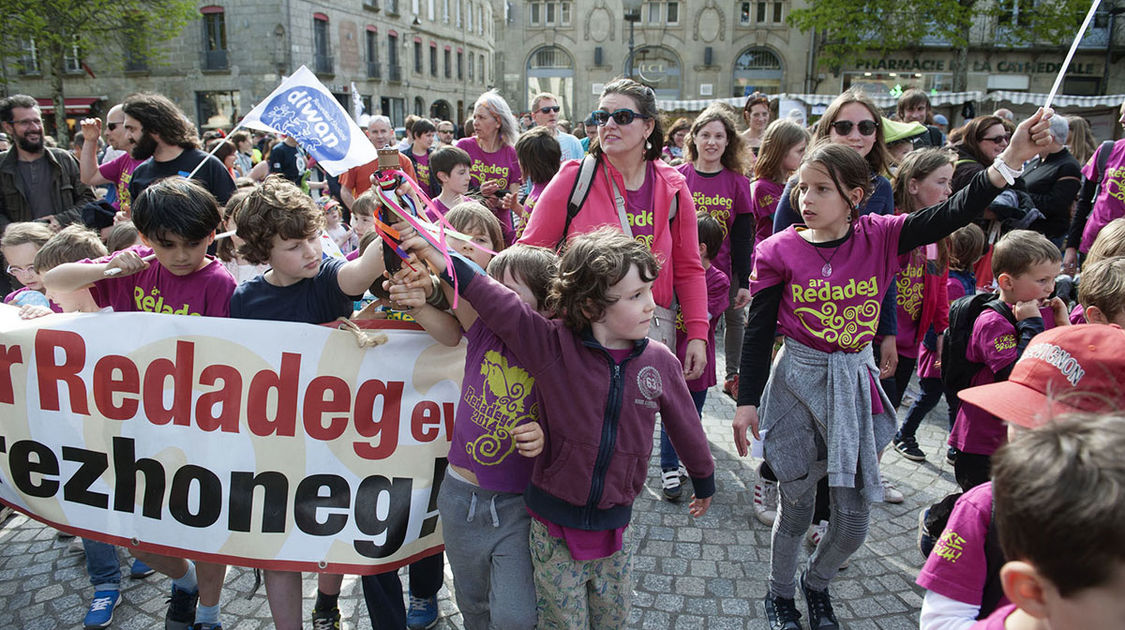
x=394, y=73
x=214, y=60
x=323, y=64
x=374, y=70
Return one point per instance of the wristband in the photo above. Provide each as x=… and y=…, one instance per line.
x=1008, y=173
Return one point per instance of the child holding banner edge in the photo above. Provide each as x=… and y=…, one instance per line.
x=598, y=445
x=177, y=219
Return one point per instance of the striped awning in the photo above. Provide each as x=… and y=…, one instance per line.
x=1061, y=100
x=76, y=106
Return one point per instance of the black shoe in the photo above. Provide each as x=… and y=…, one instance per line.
x=181, y=609
x=326, y=619
x=908, y=448
x=819, y=603
x=951, y=456
x=782, y=613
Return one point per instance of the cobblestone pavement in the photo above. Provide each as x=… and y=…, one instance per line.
x=705, y=573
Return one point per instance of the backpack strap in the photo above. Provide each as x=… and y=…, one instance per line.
x=578, y=193
x=1103, y=159
x=999, y=306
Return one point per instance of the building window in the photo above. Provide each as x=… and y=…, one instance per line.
x=394, y=72
x=663, y=13
x=433, y=59
x=480, y=21
x=448, y=64
x=757, y=70
x=469, y=16
x=445, y=11
x=458, y=13
x=549, y=14
x=322, y=47
x=760, y=13
x=1015, y=12
x=430, y=10
x=136, y=59
x=414, y=7
x=372, y=44
x=214, y=38
x=470, y=67
x=460, y=65
x=481, y=67
x=417, y=57
x=392, y=7
x=72, y=58
x=30, y=60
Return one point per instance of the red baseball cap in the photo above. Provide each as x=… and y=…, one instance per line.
x=1066, y=369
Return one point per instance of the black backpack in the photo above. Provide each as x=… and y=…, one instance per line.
x=957, y=371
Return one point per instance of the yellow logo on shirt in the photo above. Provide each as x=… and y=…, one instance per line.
x=499, y=408
x=849, y=329
x=950, y=546
x=910, y=290
x=1005, y=342
x=154, y=303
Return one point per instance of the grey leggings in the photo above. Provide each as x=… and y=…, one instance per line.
x=847, y=530
x=735, y=321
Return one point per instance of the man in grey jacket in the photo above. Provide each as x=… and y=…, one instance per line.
x=37, y=183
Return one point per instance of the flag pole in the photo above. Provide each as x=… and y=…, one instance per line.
x=1070, y=54
x=212, y=151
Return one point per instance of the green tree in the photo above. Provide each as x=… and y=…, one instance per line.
x=852, y=29
x=127, y=31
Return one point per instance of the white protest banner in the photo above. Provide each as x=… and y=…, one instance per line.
x=303, y=108
x=266, y=444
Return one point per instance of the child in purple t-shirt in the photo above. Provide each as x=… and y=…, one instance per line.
x=171, y=273
x=783, y=146
x=449, y=167
x=821, y=288
x=419, y=153
x=1024, y=264
x=496, y=436
x=718, y=297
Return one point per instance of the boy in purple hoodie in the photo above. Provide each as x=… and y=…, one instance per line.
x=598, y=444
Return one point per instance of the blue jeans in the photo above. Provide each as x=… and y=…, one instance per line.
x=102, y=565
x=668, y=458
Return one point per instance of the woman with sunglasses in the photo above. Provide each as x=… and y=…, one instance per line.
x=983, y=138
x=495, y=172
x=633, y=188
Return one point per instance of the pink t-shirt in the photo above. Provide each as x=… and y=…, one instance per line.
x=496, y=396
x=718, y=298
x=422, y=172
x=958, y=566
x=839, y=311
x=992, y=343
x=764, y=196
x=910, y=282
x=502, y=165
x=638, y=209
x=1078, y=315
x=724, y=196
x=1110, y=203
x=528, y=207
x=120, y=172
x=156, y=290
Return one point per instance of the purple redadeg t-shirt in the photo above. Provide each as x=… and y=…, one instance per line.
x=120, y=172
x=502, y=165
x=841, y=311
x=1110, y=203
x=764, y=196
x=992, y=343
x=422, y=172
x=958, y=566
x=156, y=290
x=528, y=206
x=496, y=396
x=909, y=282
x=718, y=298
x=723, y=195
x=638, y=207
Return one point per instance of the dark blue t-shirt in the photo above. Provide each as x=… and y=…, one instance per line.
x=315, y=300
x=288, y=161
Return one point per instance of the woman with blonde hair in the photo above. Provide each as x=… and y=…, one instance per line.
x=495, y=172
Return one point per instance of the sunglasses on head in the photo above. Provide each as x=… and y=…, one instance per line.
x=548, y=110
x=844, y=127
x=621, y=116
x=113, y=125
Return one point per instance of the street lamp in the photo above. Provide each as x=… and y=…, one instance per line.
x=632, y=16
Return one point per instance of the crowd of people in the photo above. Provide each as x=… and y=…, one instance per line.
x=840, y=262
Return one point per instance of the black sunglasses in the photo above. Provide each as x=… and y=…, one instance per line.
x=113, y=125
x=548, y=110
x=621, y=116
x=1000, y=139
x=866, y=127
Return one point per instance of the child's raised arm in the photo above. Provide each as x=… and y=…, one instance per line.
x=357, y=275
x=73, y=276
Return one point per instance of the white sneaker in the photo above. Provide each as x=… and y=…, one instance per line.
x=816, y=533
x=765, y=500
x=672, y=488
x=891, y=494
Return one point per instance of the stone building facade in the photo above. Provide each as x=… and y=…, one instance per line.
x=431, y=57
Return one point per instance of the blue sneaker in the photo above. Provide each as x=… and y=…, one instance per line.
x=422, y=613
x=101, y=609
x=207, y=626
x=140, y=570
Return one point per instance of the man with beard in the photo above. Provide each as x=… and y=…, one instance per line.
x=159, y=130
x=37, y=183
x=119, y=171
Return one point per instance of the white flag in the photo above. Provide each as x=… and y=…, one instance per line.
x=357, y=103
x=303, y=108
